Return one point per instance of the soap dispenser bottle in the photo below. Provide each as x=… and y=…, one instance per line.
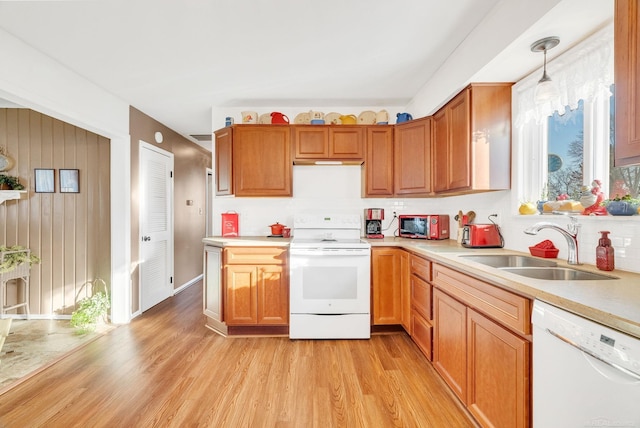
x=604, y=253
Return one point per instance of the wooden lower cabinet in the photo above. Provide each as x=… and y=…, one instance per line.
x=486, y=365
x=450, y=342
x=390, y=287
x=498, y=374
x=256, y=294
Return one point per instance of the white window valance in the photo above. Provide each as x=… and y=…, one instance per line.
x=583, y=72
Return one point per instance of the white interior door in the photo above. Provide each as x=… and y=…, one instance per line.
x=156, y=225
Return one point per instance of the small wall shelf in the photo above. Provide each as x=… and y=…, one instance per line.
x=7, y=195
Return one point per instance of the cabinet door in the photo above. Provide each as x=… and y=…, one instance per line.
x=241, y=306
x=273, y=295
x=387, y=292
x=212, y=296
x=452, y=145
x=262, y=164
x=441, y=150
x=311, y=142
x=346, y=142
x=450, y=342
x=224, y=171
x=412, y=158
x=378, y=164
x=459, y=147
x=499, y=374
x=627, y=78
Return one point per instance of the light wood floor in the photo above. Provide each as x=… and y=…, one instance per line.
x=167, y=369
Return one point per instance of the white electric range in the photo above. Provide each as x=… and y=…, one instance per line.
x=329, y=278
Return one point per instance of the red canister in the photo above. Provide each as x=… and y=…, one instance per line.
x=230, y=224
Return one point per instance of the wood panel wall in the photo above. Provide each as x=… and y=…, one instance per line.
x=70, y=232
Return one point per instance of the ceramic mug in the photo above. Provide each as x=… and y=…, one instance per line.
x=403, y=117
x=382, y=117
x=249, y=117
x=277, y=117
x=348, y=119
x=316, y=115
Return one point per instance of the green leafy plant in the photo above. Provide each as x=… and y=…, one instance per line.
x=13, y=260
x=626, y=198
x=90, y=310
x=11, y=181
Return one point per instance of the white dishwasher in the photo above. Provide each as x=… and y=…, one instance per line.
x=584, y=374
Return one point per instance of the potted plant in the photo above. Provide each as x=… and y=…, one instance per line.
x=625, y=205
x=14, y=257
x=92, y=310
x=9, y=182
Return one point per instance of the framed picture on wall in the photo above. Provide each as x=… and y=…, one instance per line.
x=69, y=181
x=44, y=180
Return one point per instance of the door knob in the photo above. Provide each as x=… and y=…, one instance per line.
x=146, y=238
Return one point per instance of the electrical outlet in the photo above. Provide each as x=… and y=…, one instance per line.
x=395, y=215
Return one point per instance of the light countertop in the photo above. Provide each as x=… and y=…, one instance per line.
x=615, y=303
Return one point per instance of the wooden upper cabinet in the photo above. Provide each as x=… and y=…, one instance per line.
x=310, y=142
x=223, y=161
x=262, y=163
x=627, y=79
x=328, y=142
x=377, y=180
x=451, y=148
x=346, y=142
x=412, y=158
x=472, y=140
x=440, y=151
x=459, y=159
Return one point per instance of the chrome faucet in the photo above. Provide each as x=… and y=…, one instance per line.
x=571, y=235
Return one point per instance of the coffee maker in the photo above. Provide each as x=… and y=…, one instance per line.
x=373, y=222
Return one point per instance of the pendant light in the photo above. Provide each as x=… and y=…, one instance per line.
x=546, y=90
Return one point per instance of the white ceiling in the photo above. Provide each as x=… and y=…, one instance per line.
x=175, y=59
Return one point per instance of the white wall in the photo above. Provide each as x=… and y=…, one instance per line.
x=35, y=81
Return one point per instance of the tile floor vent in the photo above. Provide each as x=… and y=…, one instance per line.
x=201, y=137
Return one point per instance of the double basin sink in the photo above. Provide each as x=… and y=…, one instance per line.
x=532, y=267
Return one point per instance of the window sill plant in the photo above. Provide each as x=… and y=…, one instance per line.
x=625, y=205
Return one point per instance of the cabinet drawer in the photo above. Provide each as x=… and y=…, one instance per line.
x=509, y=309
x=422, y=333
x=255, y=255
x=421, y=267
x=421, y=296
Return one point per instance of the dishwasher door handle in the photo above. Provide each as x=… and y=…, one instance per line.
x=591, y=354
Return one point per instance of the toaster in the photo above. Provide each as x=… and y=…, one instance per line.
x=481, y=236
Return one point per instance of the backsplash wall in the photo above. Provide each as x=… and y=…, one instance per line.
x=336, y=189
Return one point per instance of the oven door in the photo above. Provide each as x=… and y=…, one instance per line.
x=330, y=280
